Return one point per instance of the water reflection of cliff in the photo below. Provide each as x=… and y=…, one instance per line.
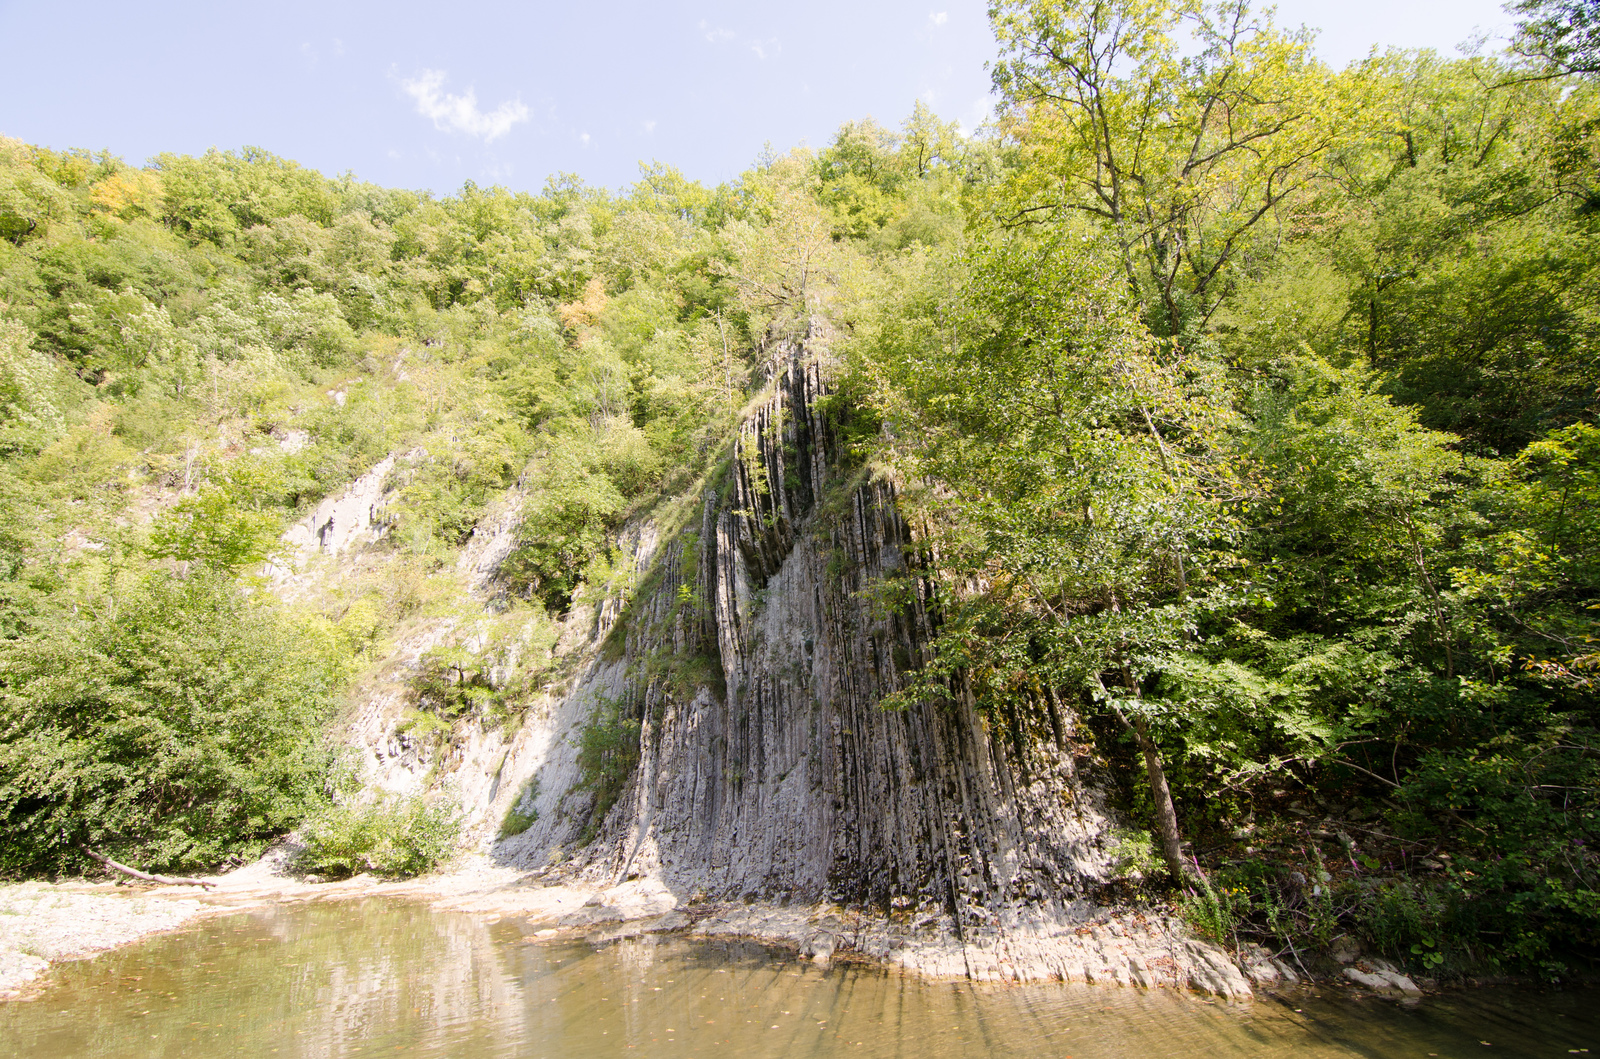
x=402, y=977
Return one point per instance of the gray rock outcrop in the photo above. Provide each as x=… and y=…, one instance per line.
x=756, y=657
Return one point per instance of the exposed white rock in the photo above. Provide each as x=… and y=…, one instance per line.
x=491, y=542
x=350, y=518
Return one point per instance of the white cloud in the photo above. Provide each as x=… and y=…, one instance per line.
x=763, y=49
x=313, y=53
x=453, y=113
x=939, y=18
x=978, y=113
x=583, y=138
x=649, y=126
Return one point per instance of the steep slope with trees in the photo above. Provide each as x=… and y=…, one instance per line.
x=1209, y=445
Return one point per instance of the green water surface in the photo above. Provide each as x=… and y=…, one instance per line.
x=384, y=978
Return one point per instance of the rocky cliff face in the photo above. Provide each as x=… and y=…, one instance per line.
x=754, y=657
x=756, y=666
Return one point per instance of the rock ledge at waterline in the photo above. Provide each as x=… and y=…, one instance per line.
x=1112, y=947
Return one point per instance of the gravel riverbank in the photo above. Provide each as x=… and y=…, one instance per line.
x=41, y=923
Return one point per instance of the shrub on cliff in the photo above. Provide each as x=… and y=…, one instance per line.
x=606, y=756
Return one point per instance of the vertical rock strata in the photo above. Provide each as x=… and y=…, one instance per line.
x=756, y=664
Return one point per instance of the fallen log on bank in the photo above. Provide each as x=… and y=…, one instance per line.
x=167, y=880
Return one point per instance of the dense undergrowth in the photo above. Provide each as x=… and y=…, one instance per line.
x=1266, y=445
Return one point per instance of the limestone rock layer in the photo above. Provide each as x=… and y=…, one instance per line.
x=757, y=666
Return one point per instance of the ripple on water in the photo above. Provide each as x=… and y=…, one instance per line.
x=386, y=978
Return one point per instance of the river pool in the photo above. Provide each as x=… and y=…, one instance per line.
x=391, y=978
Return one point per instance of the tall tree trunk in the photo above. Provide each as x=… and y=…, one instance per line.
x=1166, y=813
x=1161, y=794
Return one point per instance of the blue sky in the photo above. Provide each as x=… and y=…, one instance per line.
x=428, y=96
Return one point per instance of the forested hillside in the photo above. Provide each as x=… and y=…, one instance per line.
x=1244, y=406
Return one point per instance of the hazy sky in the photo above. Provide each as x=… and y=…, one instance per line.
x=430, y=95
